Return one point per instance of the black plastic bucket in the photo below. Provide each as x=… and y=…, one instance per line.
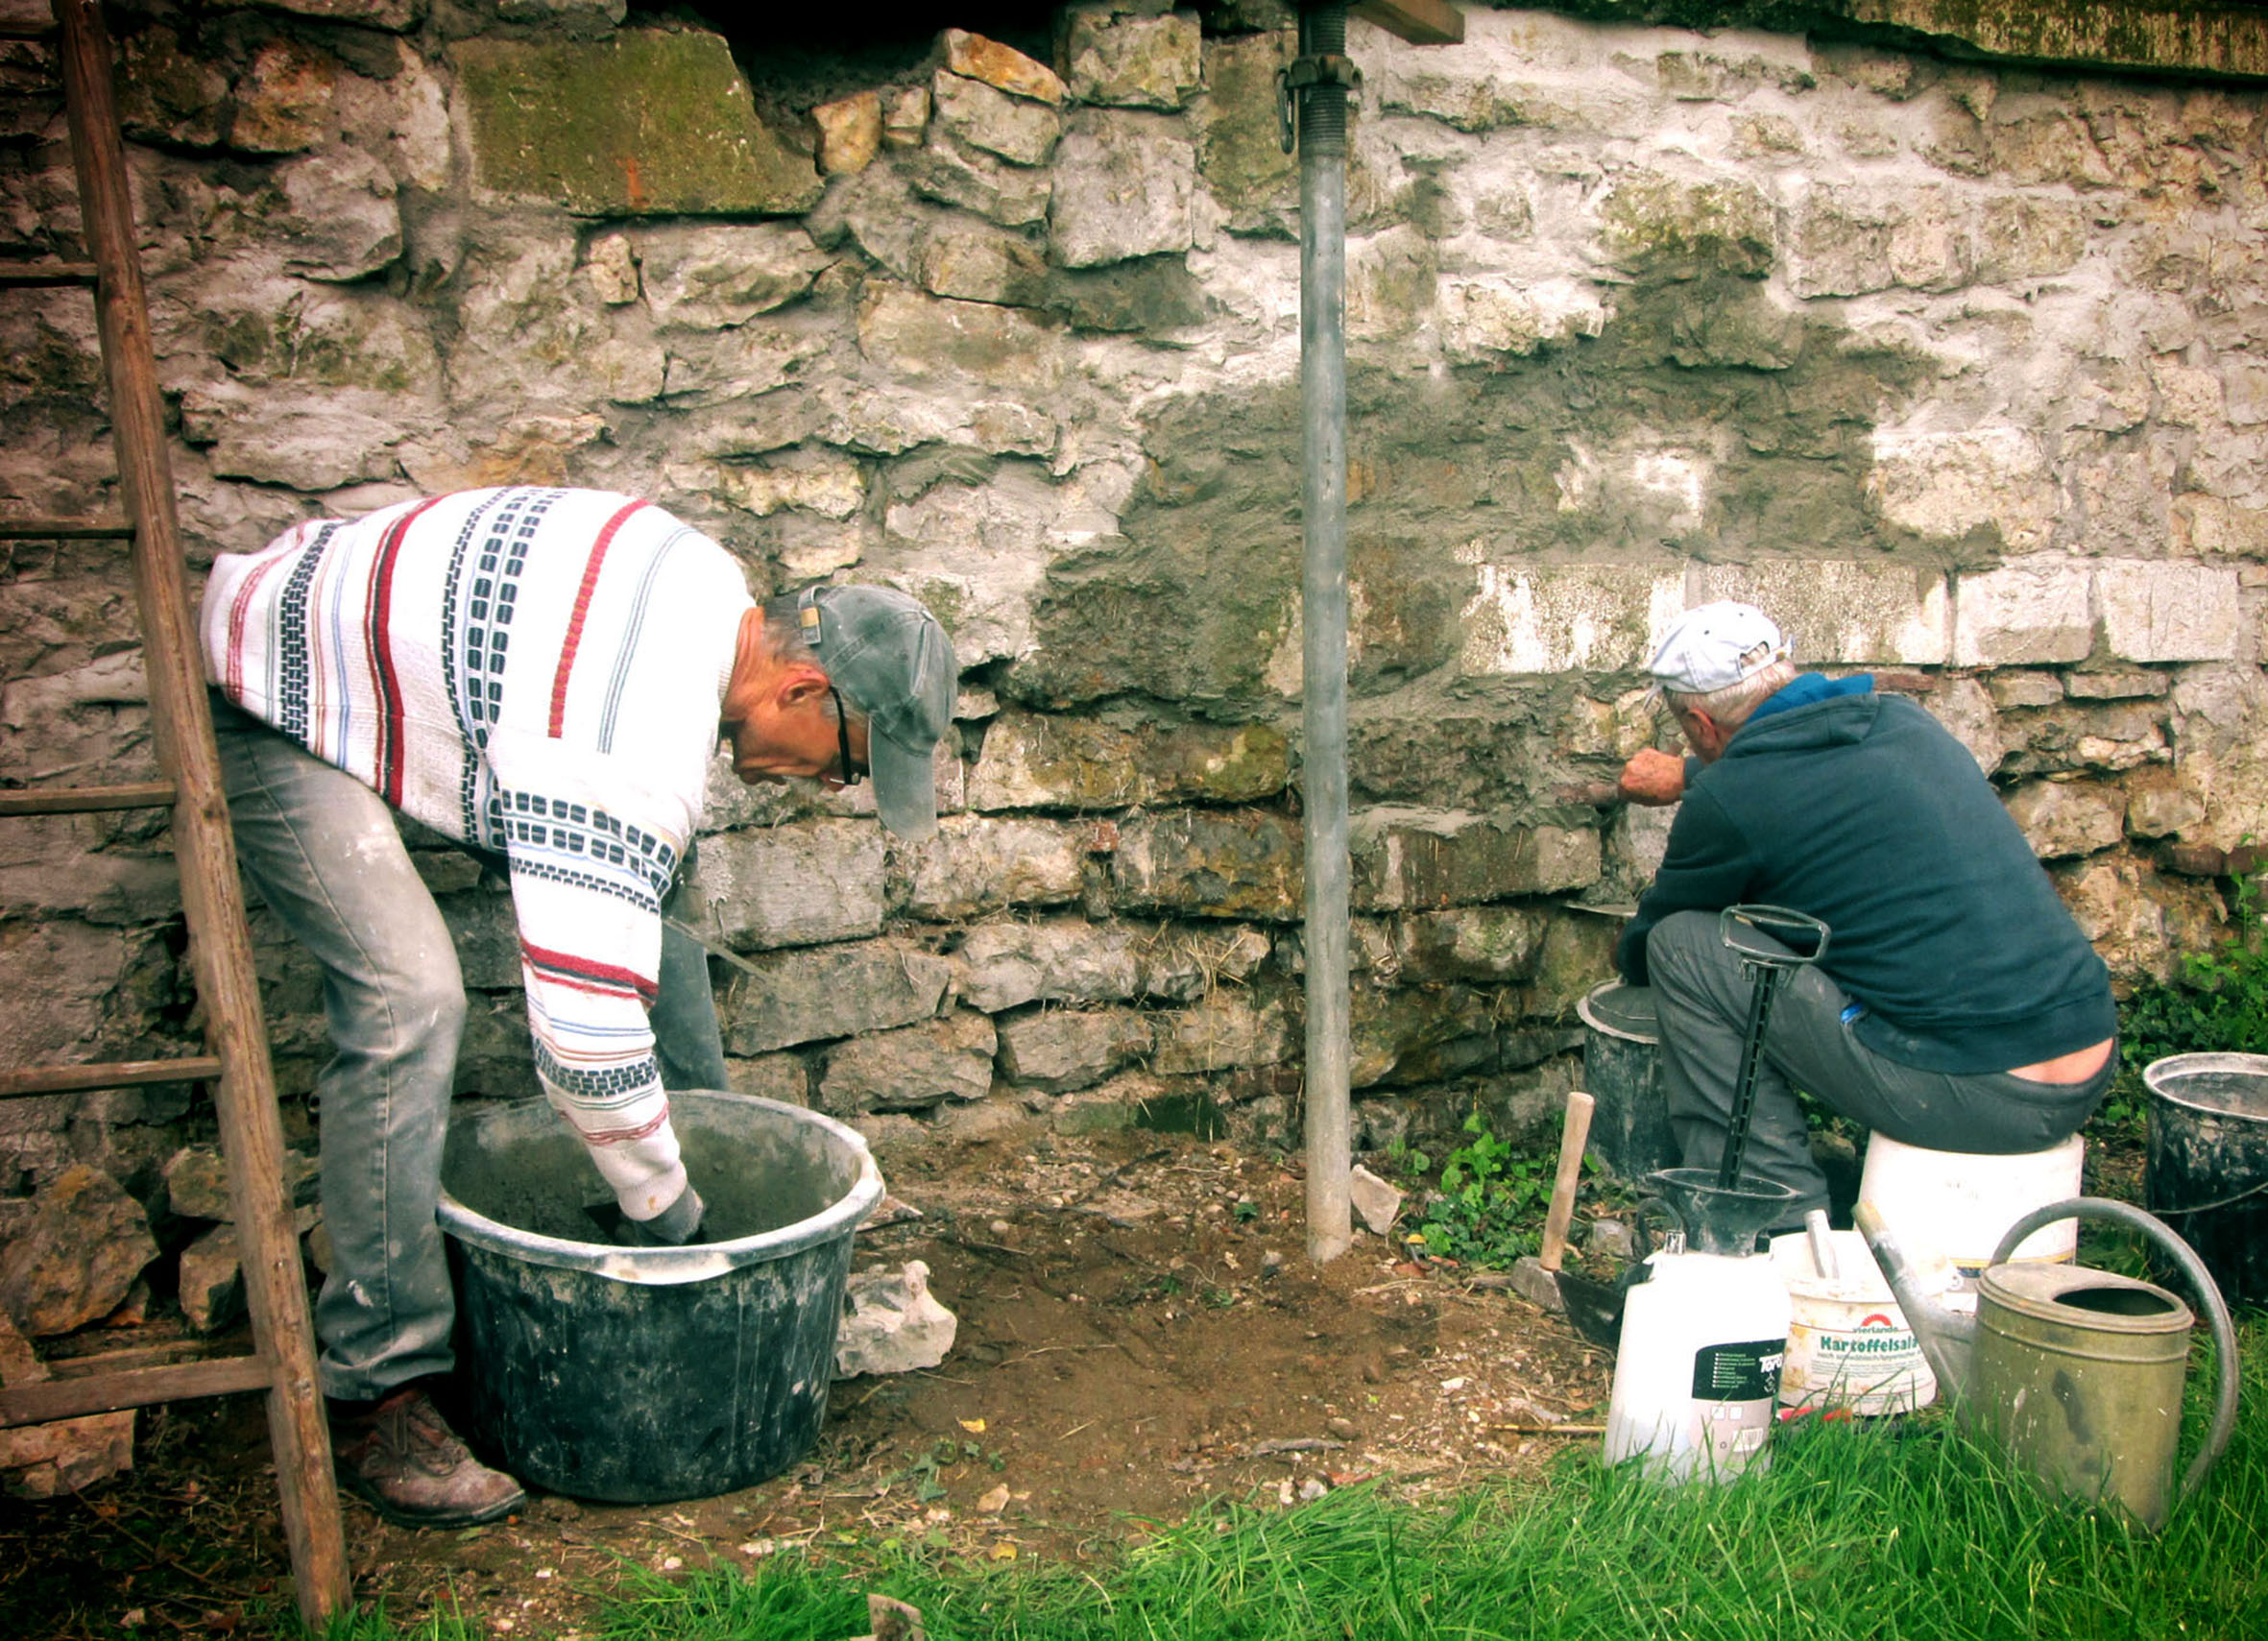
x=2207, y=1174
x=1622, y=1072
x=639, y=1375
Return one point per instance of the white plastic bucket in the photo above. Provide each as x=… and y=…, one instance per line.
x=1961, y=1205
x=1848, y=1347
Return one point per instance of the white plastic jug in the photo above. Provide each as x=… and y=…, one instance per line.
x=1698, y=1366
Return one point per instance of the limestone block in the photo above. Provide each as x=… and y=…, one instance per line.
x=2187, y=397
x=1211, y=863
x=2016, y=690
x=1013, y=196
x=1125, y=184
x=1423, y=858
x=1003, y=965
x=306, y=440
x=905, y=116
x=404, y=118
x=81, y=967
x=832, y=486
x=395, y=16
x=978, y=864
x=850, y=133
x=893, y=1324
x=2028, y=612
x=1140, y=62
x=1846, y=240
x=286, y=103
x=922, y=337
x=1945, y=485
x=1239, y=152
x=2115, y=686
x=612, y=267
x=642, y=123
x=1002, y=67
x=1657, y=226
x=1471, y=943
x=1226, y=1029
x=912, y=1068
x=1837, y=611
x=1060, y=1049
x=197, y=1182
x=2159, y=804
x=2221, y=750
x=75, y=1258
x=1019, y=130
x=2019, y=238
x=1041, y=762
x=1488, y=315
x=2110, y=900
x=2106, y=737
x=830, y=991
x=1964, y=707
x=1185, y=963
x=1147, y=295
x=283, y=330
x=1566, y=618
x=708, y=277
x=2156, y=610
x=2213, y=525
x=1110, y=1107
x=66, y=1456
x=2066, y=818
x=1374, y=1199
x=782, y=1077
x=339, y=221
x=989, y=267
x=167, y=94
x=791, y=885
x=212, y=1280
x=1428, y=1034
x=1473, y=95
x=1009, y=427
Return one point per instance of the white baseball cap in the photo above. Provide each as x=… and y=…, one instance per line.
x=1714, y=647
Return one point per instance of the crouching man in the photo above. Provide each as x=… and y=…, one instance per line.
x=1958, y=1007
x=541, y=675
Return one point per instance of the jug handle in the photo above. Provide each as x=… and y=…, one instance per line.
x=2201, y=1284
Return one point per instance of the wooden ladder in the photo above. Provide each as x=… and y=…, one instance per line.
x=236, y=1061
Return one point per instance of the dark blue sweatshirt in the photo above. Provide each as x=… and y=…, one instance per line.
x=1862, y=810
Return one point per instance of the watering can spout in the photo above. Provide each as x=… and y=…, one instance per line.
x=1947, y=1337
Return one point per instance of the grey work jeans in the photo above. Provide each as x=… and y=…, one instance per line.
x=1701, y=1000
x=321, y=849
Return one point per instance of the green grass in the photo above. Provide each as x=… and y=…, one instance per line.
x=1866, y=1530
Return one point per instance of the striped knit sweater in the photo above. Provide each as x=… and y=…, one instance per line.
x=536, y=672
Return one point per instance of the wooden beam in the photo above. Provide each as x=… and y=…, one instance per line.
x=1420, y=22
x=28, y=1080
x=102, y=1392
x=85, y=800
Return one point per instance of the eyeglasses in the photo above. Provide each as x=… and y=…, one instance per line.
x=850, y=773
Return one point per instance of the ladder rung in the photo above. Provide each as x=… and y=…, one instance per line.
x=48, y=274
x=85, y=800
x=100, y=1392
x=112, y=1074
x=65, y=530
x=25, y=29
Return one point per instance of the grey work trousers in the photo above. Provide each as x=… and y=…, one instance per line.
x=1701, y=1000
x=322, y=850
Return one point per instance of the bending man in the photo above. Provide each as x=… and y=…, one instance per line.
x=1958, y=1008
x=542, y=676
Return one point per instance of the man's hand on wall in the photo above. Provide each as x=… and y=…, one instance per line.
x=1654, y=778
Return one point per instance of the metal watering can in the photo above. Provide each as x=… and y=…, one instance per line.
x=2075, y=1373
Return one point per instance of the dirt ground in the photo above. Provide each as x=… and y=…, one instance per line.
x=1140, y=1331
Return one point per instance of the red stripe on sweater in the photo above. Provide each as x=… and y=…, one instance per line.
x=233, y=664
x=623, y=1136
x=574, y=632
x=570, y=966
x=389, y=758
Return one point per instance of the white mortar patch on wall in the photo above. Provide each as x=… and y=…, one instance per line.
x=1565, y=618
x=1842, y=611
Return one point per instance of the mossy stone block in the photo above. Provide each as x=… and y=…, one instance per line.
x=643, y=123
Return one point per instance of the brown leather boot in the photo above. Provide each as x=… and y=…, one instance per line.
x=402, y=1456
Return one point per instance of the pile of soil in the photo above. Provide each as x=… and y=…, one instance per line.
x=1140, y=1331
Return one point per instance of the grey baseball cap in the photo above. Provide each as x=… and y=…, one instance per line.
x=891, y=660
x=1714, y=646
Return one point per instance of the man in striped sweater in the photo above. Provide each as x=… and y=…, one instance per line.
x=542, y=676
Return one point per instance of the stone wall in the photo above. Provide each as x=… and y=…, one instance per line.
x=1956, y=368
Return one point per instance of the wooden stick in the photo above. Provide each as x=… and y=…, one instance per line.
x=1573, y=1137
